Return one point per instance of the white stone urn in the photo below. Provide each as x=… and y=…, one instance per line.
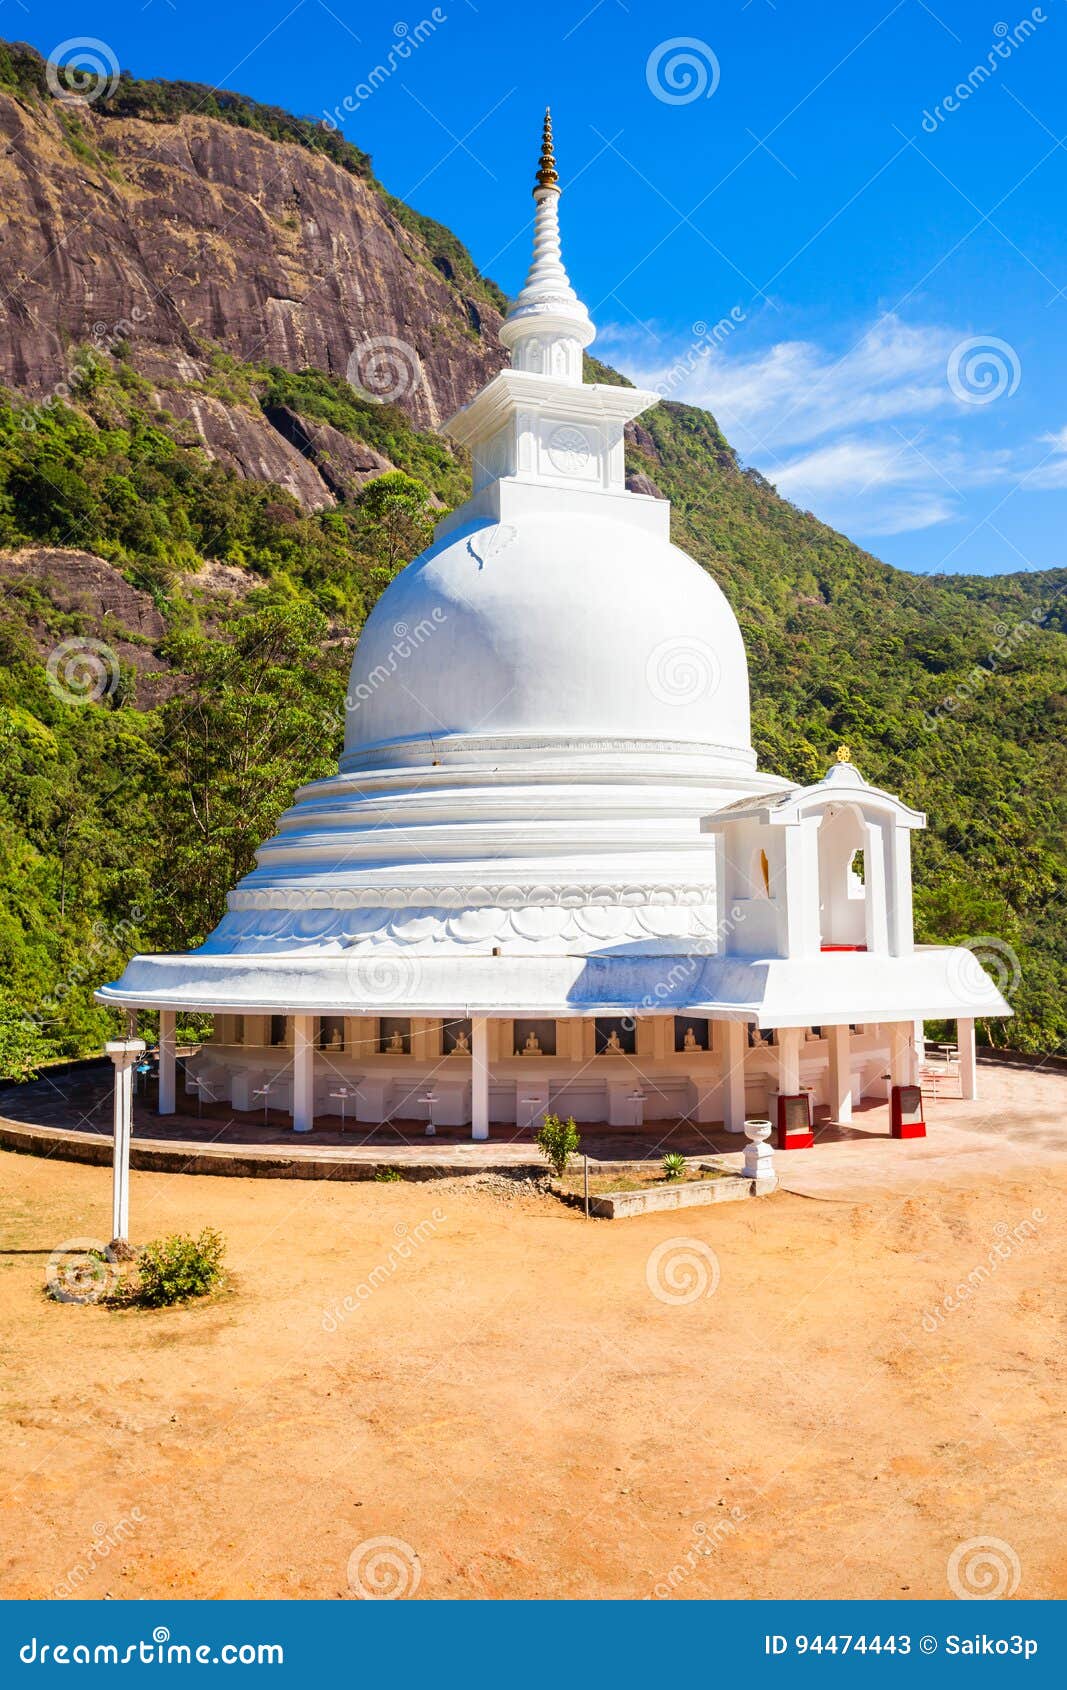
x=759, y=1156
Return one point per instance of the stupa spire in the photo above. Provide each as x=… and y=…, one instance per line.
x=547, y=327
x=546, y=174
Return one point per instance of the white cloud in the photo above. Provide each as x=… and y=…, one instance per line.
x=865, y=437
x=1050, y=471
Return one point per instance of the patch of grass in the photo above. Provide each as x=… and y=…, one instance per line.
x=604, y=1182
x=387, y=1176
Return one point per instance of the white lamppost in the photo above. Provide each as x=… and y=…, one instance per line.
x=124, y=1054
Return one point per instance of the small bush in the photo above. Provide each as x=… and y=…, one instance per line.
x=386, y=1176
x=674, y=1165
x=558, y=1141
x=172, y=1270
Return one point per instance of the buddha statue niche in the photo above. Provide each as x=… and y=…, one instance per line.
x=532, y=1046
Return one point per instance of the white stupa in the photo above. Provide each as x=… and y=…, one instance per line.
x=548, y=872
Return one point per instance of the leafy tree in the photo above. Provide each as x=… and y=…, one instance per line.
x=262, y=713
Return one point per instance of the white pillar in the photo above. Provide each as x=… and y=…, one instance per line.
x=734, y=1050
x=840, y=1089
x=789, y=1061
x=124, y=1053
x=968, y=1058
x=303, y=1073
x=479, y=1076
x=901, y=1053
x=167, y=1061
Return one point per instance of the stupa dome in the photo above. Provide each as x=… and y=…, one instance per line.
x=553, y=623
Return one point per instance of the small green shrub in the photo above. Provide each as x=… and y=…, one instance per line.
x=386, y=1176
x=172, y=1270
x=558, y=1141
x=674, y=1165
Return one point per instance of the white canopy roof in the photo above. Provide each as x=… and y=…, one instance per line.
x=830, y=989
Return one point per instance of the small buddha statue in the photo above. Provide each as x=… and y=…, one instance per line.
x=614, y=1045
x=690, y=1040
x=396, y=1044
x=462, y=1046
x=335, y=1040
x=532, y=1047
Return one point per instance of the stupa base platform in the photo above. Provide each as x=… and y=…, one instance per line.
x=69, y=1117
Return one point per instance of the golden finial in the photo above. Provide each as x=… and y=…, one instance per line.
x=844, y=755
x=546, y=171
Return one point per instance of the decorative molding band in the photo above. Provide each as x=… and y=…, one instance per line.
x=421, y=930
x=452, y=898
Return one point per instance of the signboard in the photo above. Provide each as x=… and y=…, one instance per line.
x=906, y=1112
x=794, y=1122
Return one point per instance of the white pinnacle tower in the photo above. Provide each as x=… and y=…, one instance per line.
x=548, y=327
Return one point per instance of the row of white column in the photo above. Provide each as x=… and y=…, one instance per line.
x=903, y=1064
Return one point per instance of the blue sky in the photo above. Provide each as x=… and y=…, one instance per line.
x=840, y=226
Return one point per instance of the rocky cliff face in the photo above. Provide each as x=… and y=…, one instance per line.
x=171, y=234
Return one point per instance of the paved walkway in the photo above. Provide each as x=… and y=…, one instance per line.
x=1020, y=1119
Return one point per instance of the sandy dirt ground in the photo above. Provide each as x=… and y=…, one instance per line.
x=836, y=1392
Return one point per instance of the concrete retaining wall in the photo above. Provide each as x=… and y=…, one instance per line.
x=691, y=1194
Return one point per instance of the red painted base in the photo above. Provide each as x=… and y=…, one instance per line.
x=906, y=1118
x=793, y=1123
